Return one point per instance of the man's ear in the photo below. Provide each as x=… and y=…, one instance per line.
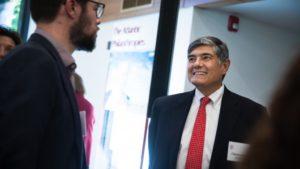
x=71, y=8
x=226, y=65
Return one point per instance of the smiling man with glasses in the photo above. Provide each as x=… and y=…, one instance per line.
x=39, y=117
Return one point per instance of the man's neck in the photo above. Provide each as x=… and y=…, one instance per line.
x=59, y=33
x=206, y=91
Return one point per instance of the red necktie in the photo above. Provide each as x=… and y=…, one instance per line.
x=195, y=153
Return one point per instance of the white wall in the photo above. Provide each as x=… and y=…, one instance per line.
x=31, y=28
x=259, y=53
x=182, y=40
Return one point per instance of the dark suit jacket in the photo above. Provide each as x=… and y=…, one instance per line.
x=237, y=117
x=39, y=119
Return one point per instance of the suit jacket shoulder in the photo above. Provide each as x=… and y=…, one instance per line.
x=243, y=100
x=238, y=116
x=245, y=108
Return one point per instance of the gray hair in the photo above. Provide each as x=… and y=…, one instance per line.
x=219, y=47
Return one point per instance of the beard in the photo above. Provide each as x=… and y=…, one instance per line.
x=80, y=39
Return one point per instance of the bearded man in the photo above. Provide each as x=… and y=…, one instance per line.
x=39, y=119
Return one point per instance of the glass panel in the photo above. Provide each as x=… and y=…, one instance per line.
x=10, y=13
x=131, y=54
x=125, y=107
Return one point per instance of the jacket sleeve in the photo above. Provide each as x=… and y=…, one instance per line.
x=26, y=99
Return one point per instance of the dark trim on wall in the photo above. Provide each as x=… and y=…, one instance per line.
x=163, y=50
x=25, y=16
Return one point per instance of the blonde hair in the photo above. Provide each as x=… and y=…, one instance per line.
x=78, y=84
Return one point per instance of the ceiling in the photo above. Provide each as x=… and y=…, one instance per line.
x=280, y=13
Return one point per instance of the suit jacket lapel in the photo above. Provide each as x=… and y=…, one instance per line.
x=178, y=118
x=65, y=81
x=63, y=72
x=228, y=116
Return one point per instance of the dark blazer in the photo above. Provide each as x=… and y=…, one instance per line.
x=237, y=117
x=39, y=119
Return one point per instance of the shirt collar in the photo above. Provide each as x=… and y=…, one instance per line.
x=214, y=97
x=66, y=56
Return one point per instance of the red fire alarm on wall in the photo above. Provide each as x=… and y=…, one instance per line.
x=233, y=23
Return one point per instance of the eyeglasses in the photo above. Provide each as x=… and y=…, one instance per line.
x=100, y=8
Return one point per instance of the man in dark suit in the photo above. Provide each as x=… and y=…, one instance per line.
x=205, y=128
x=39, y=119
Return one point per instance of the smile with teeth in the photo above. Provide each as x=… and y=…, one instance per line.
x=199, y=73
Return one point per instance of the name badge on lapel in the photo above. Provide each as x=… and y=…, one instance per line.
x=236, y=151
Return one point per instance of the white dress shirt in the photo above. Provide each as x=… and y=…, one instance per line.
x=212, y=117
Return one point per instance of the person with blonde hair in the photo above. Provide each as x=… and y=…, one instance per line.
x=86, y=114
